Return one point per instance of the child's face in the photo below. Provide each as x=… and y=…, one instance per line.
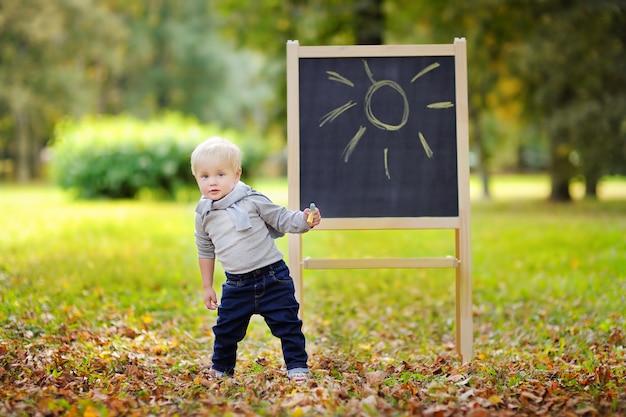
x=216, y=179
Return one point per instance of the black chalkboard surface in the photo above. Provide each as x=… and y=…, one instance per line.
x=378, y=136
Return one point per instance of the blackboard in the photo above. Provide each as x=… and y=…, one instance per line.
x=378, y=136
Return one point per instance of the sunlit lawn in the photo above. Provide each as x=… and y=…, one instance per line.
x=549, y=286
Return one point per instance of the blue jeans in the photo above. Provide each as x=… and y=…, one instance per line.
x=267, y=291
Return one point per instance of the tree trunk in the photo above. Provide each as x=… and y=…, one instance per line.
x=561, y=170
x=23, y=161
x=484, y=175
x=560, y=189
x=560, y=178
x=591, y=186
x=368, y=26
x=483, y=154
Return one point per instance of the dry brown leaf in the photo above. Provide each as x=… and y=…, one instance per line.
x=375, y=378
x=530, y=396
x=299, y=399
x=479, y=412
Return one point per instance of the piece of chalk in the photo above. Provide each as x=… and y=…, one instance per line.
x=310, y=218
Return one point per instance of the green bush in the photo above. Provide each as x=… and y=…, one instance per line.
x=121, y=156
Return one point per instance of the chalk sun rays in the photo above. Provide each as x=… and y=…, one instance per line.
x=332, y=115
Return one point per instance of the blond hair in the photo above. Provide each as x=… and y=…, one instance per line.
x=216, y=148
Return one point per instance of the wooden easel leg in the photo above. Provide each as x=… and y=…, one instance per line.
x=464, y=314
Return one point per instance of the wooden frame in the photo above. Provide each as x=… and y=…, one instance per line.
x=462, y=262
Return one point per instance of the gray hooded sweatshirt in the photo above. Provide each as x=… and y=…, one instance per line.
x=240, y=228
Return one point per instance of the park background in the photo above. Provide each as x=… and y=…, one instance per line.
x=100, y=105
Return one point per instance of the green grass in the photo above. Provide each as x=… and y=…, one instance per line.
x=117, y=282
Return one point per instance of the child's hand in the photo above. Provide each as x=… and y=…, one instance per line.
x=210, y=299
x=317, y=217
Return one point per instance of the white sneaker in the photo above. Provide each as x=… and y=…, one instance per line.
x=213, y=375
x=298, y=375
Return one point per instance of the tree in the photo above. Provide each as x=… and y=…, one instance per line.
x=266, y=26
x=48, y=52
x=560, y=63
x=89, y=57
x=573, y=63
x=369, y=22
x=486, y=26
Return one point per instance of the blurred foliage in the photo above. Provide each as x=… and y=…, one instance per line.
x=545, y=77
x=50, y=54
x=552, y=73
x=75, y=58
x=573, y=64
x=119, y=157
x=522, y=58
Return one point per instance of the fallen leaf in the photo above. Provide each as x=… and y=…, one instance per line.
x=298, y=399
x=375, y=378
x=495, y=399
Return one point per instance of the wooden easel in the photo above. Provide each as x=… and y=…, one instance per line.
x=462, y=261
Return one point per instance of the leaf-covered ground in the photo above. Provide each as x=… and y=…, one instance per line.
x=125, y=371
x=101, y=316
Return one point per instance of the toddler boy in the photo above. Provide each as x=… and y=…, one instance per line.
x=238, y=225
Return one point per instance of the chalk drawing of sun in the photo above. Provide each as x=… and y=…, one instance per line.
x=371, y=117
